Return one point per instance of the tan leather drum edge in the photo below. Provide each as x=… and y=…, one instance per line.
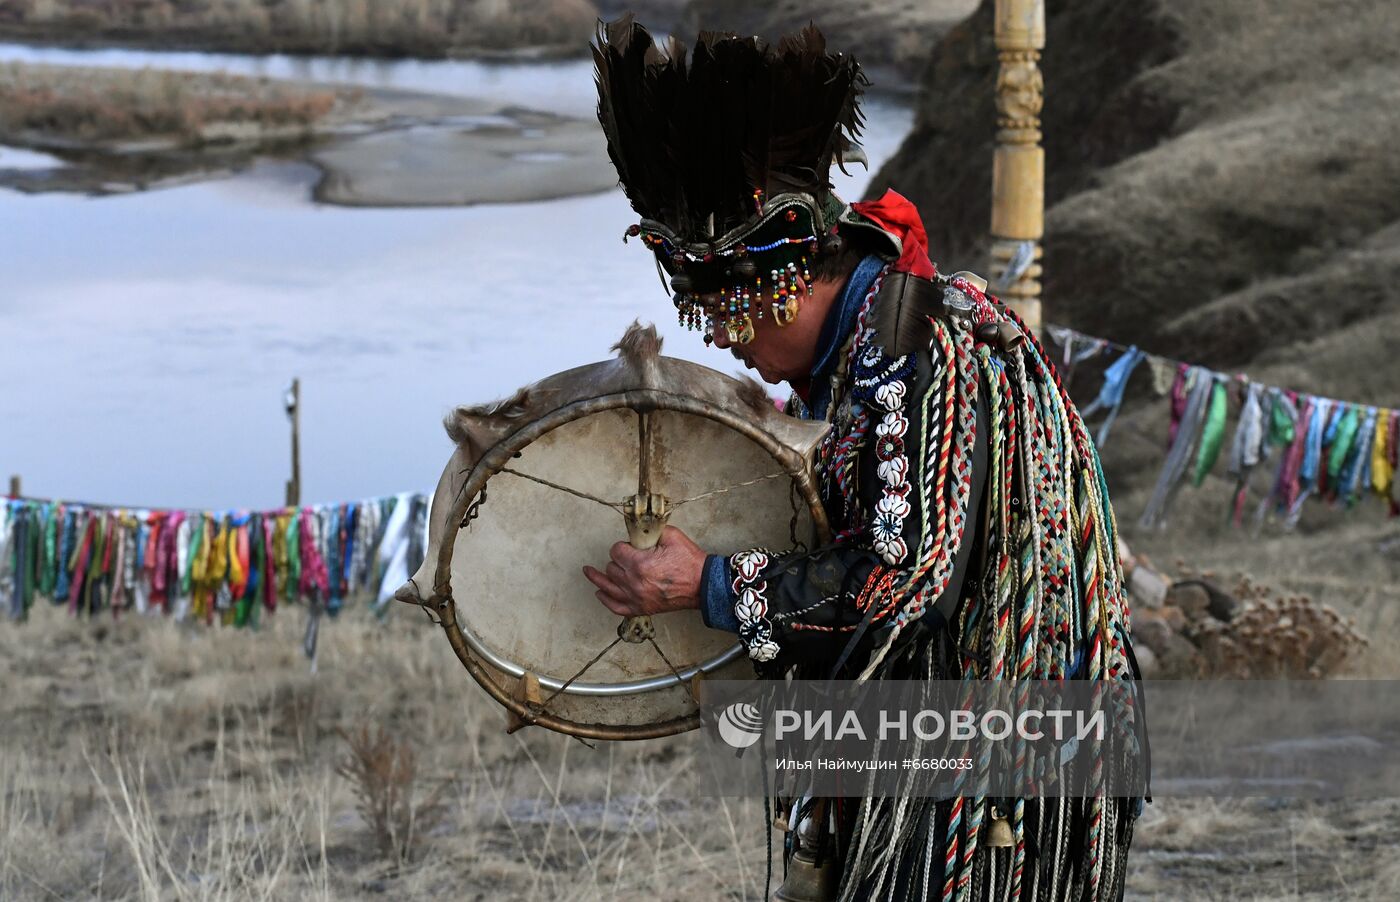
x=501, y=686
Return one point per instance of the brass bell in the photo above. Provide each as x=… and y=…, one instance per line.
x=1002, y=335
x=999, y=834
x=746, y=269
x=807, y=881
x=682, y=283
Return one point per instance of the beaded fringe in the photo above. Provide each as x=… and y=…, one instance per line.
x=1050, y=605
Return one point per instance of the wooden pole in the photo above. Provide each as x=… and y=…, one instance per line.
x=315, y=603
x=15, y=486
x=1018, y=168
x=294, y=414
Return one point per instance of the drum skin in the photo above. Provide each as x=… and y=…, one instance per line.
x=508, y=586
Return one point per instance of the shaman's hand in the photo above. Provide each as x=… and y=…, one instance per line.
x=664, y=578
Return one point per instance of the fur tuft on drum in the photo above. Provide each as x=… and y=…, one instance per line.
x=547, y=480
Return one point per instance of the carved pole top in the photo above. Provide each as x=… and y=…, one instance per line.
x=1018, y=168
x=1020, y=24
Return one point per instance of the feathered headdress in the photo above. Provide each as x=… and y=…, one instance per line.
x=726, y=154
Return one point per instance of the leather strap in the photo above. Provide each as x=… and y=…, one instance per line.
x=902, y=312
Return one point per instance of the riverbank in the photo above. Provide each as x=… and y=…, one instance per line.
x=534, y=29
x=82, y=108
x=121, y=130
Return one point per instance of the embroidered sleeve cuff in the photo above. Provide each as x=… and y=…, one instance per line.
x=716, y=597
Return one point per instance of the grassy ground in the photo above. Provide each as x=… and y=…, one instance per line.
x=430, y=28
x=140, y=759
x=145, y=760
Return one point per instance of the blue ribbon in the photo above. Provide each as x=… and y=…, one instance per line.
x=1115, y=382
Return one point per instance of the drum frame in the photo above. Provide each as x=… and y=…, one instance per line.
x=442, y=603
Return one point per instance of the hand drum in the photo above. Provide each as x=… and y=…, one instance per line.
x=548, y=480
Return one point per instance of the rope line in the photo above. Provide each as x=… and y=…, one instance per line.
x=544, y=705
x=728, y=488
x=621, y=506
x=615, y=505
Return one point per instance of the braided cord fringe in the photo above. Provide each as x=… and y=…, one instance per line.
x=993, y=636
x=939, y=545
x=1090, y=569
x=844, y=459
x=954, y=876
x=994, y=380
x=943, y=432
x=1049, y=604
x=1059, y=550
x=839, y=457
x=937, y=551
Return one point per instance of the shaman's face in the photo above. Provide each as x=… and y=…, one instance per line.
x=783, y=353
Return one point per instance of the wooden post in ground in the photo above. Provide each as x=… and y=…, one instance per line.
x=1018, y=168
x=15, y=486
x=293, y=402
x=315, y=603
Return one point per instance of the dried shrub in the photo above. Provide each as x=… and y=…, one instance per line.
x=384, y=774
x=1276, y=638
x=298, y=709
x=91, y=104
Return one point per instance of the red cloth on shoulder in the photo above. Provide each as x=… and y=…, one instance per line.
x=895, y=214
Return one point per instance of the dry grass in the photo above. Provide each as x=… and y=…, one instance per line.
x=398, y=28
x=144, y=760
x=1265, y=849
x=89, y=105
x=384, y=773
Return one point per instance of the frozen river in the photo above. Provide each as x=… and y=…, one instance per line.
x=148, y=337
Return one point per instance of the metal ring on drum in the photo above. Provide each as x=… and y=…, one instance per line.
x=536, y=489
x=579, y=687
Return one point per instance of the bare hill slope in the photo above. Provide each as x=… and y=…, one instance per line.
x=1223, y=178
x=1223, y=185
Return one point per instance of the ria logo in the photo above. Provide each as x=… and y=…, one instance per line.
x=740, y=725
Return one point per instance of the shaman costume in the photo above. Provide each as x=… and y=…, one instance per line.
x=974, y=538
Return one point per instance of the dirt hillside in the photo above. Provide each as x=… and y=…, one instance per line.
x=1223, y=187
x=1223, y=182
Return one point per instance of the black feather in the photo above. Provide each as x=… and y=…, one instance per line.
x=693, y=135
